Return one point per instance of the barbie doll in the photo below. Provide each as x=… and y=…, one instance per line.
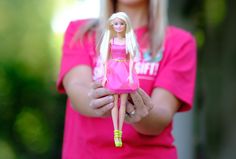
x=118, y=50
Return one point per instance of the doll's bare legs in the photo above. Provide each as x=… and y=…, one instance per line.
x=123, y=99
x=114, y=114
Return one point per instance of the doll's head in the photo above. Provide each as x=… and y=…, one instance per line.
x=110, y=32
x=119, y=26
x=118, y=17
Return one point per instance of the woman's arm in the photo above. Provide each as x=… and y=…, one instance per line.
x=173, y=88
x=153, y=121
x=88, y=99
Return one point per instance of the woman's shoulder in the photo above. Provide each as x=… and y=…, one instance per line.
x=76, y=24
x=175, y=33
x=78, y=28
x=179, y=42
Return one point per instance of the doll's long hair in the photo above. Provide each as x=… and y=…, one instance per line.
x=131, y=43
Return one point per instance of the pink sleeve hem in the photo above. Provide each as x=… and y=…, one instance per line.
x=187, y=102
x=59, y=85
x=70, y=61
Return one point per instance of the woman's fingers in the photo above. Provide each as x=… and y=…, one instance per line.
x=146, y=99
x=105, y=110
x=130, y=110
x=140, y=108
x=96, y=84
x=99, y=102
x=101, y=99
x=131, y=114
x=97, y=91
x=136, y=98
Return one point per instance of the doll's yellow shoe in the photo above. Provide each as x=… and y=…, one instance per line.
x=116, y=138
x=120, y=138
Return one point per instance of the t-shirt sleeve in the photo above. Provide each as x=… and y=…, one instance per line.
x=73, y=53
x=177, y=73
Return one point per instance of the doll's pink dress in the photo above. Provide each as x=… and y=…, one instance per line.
x=118, y=71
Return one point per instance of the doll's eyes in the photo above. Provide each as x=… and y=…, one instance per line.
x=119, y=23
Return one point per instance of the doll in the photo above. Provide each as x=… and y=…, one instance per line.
x=118, y=50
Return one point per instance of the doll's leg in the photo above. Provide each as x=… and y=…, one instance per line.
x=122, y=110
x=114, y=114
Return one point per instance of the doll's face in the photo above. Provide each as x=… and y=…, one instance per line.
x=118, y=25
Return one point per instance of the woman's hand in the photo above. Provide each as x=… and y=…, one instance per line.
x=101, y=99
x=152, y=114
x=138, y=106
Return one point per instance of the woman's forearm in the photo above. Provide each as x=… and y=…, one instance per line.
x=154, y=123
x=78, y=94
x=77, y=88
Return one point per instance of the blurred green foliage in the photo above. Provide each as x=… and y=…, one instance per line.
x=214, y=28
x=215, y=12
x=32, y=112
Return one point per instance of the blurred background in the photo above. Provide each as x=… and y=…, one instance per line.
x=32, y=112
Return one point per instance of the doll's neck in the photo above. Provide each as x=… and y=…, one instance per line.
x=120, y=36
x=119, y=40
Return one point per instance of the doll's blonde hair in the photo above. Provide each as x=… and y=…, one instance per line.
x=131, y=43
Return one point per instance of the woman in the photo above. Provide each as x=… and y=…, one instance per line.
x=166, y=76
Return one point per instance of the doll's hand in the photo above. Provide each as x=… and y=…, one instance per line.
x=139, y=105
x=104, y=80
x=130, y=78
x=101, y=99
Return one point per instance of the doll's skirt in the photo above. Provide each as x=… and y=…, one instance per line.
x=117, y=77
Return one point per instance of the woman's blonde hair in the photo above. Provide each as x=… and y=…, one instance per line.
x=131, y=43
x=157, y=22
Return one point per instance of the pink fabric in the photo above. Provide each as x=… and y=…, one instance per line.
x=118, y=51
x=177, y=70
x=118, y=71
x=92, y=138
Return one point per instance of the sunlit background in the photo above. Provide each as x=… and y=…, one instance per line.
x=32, y=112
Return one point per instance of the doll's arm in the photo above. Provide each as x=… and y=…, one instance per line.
x=131, y=64
x=105, y=74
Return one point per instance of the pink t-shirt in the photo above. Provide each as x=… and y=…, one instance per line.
x=92, y=138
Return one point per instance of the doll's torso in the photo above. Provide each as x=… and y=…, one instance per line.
x=118, y=71
x=118, y=51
